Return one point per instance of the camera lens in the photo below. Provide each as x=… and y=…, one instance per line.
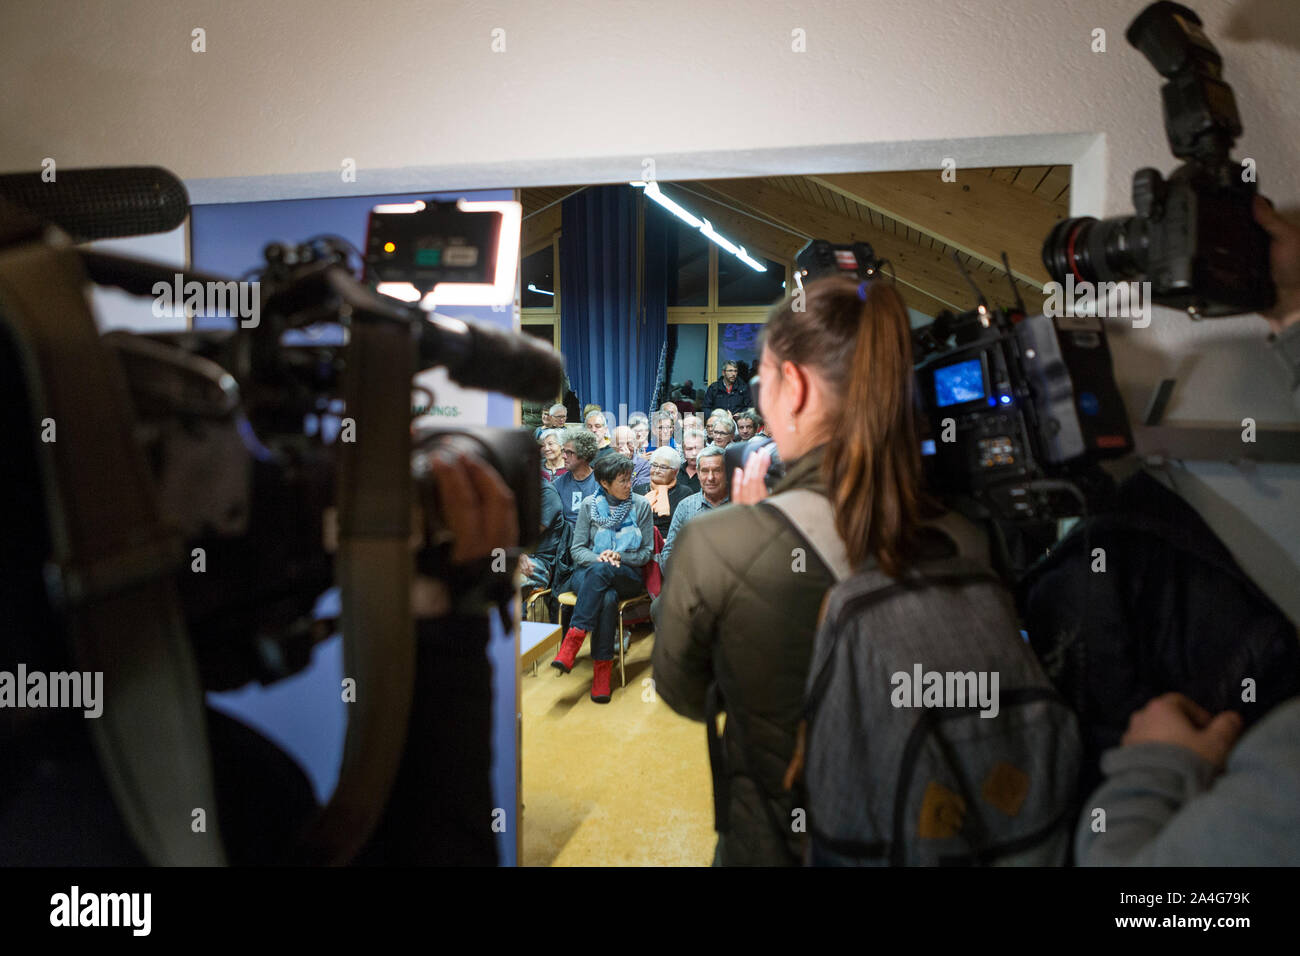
x=1106, y=250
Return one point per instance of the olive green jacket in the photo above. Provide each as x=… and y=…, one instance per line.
x=740, y=606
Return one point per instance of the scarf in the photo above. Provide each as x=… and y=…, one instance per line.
x=658, y=497
x=617, y=511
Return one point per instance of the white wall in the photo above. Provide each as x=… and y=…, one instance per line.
x=585, y=91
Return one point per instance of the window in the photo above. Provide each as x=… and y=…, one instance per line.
x=688, y=266
x=688, y=350
x=739, y=342
x=741, y=285
x=537, y=280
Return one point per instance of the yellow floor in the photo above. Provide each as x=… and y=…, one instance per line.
x=620, y=784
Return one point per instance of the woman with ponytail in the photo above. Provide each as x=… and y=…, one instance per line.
x=739, y=612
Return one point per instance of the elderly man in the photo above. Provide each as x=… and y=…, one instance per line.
x=578, y=482
x=713, y=493
x=728, y=392
x=554, y=417
x=598, y=425
x=625, y=444
x=693, y=443
x=669, y=408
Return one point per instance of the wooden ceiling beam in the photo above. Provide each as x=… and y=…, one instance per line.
x=978, y=215
x=919, y=270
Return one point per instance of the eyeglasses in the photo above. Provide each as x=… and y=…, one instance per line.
x=661, y=467
x=569, y=451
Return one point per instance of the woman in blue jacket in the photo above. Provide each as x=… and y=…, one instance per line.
x=613, y=540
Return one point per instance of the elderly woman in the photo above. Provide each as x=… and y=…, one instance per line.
x=612, y=542
x=552, y=445
x=663, y=490
x=722, y=428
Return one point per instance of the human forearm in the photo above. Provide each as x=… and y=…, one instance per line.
x=1146, y=786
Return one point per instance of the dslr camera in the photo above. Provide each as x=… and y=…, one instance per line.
x=1193, y=236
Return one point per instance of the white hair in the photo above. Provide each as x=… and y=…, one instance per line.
x=666, y=455
x=557, y=408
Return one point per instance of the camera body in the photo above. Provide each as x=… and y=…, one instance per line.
x=1016, y=411
x=1194, y=235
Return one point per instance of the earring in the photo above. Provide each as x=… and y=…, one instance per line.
x=792, y=426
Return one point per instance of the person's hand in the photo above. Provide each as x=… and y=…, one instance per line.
x=525, y=565
x=1176, y=719
x=749, y=484
x=1284, y=258
x=478, y=508
x=608, y=555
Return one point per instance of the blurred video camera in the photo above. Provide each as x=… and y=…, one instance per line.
x=1194, y=235
x=277, y=457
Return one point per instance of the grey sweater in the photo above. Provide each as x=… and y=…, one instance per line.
x=585, y=532
x=1164, y=806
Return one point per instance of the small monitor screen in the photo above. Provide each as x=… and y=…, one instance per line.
x=958, y=383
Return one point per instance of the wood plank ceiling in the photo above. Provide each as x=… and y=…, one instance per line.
x=914, y=219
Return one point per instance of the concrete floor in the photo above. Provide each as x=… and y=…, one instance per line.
x=620, y=784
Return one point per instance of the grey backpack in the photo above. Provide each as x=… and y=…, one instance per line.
x=933, y=736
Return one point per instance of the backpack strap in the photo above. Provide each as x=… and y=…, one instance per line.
x=813, y=517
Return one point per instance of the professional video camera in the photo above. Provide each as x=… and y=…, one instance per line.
x=282, y=452
x=1014, y=410
x=1194, y=236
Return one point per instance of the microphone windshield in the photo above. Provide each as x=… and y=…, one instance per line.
x=102, y=203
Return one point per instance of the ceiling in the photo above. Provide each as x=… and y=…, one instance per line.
x=917, y=220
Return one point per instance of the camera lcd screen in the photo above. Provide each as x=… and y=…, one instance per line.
x=958, y=383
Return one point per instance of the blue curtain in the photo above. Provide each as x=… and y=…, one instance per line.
x=612, y=333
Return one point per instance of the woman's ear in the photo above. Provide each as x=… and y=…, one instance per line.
x=795, y=382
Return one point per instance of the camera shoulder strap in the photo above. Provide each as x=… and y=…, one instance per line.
x=110, y=571
x=373, y=568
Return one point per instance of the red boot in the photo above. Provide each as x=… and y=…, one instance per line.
x=600, y=682
x=569, y=648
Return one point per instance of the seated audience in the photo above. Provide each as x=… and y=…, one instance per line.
x=579, y=481
x=536, y=568
x=722, y=430
x=693, y=442
x=664, y=490
x=1182, y=790
x=692, y=421
x=554, y=417
x=713, y=493
x=598, y=425
x=625, y=444
x=551, y=441
x=663, y=431
x=641, y=426
x=670, y=408
x=612, y=541
x=747, y=424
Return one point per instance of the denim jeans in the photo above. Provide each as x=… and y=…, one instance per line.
x=599, y=588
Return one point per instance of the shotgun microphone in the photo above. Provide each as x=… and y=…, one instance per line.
x=107, y=203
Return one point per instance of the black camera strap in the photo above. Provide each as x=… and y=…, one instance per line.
x=373, y=568
x=110, y=571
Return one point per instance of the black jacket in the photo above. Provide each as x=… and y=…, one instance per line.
x=737, y=400
x=733, y=612
x=675, y=494
x=1170, y=610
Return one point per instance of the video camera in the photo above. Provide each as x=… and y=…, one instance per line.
x=1014, y=411
x=281, y=455
x=1194, y=236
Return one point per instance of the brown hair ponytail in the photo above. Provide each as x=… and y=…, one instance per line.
x=862, y=348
